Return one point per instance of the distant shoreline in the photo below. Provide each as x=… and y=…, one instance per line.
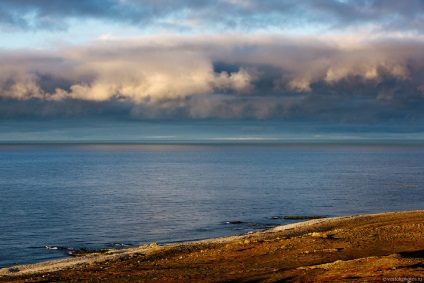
x=219, y=142
x=387, y=240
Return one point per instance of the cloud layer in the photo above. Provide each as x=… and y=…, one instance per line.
x=216, y=14
x=341, y=78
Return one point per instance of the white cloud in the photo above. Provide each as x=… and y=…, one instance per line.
x=183, y=73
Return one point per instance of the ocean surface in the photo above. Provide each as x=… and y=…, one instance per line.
x=74, y=196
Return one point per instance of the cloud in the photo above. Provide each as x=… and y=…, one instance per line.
x=217, y=14
x=219, y=76
x=138, y=74
x=151, y=76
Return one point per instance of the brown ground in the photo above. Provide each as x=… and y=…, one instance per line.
x=368, y=248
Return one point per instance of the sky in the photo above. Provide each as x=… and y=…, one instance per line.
x=157, y=70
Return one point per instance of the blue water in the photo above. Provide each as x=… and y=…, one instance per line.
x=89, y=196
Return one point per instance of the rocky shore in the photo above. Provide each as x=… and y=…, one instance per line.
x=387, y=247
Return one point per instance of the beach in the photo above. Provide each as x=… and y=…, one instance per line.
x=364, y=248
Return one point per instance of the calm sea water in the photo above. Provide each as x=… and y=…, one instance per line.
x=100, y=196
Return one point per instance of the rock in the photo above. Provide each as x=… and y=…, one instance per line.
x=299, y=217
x=234, y=222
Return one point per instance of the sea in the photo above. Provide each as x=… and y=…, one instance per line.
x=59, y=198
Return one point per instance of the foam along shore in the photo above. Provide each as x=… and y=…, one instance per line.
x=364, y=247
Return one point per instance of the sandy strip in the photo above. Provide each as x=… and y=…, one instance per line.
x=67, y=263
x=290, y=230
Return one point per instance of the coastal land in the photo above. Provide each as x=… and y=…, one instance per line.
x=386, y=247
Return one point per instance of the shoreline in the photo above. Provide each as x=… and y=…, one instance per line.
x=297, y=248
